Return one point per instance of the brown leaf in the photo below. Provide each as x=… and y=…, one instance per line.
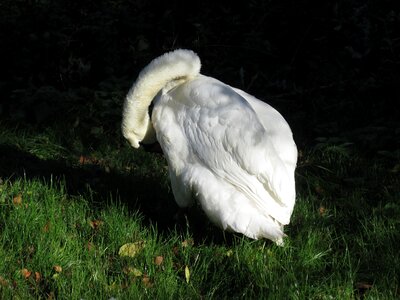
x=175, y=250
x=3, y=281
x=187, y=243
x=87, y=160
x=90, y=246
x=46, y=227
x=30, y=250
x=96, y=224
x=17, y=200
x=38, y=277
x=26, y=273
x=82, y=160
x=363, y=286
x=158, y=260
x=147, y=282
x=322, y=211
x=57, y=269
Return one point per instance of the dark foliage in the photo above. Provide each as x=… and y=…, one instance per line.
x=332, y=68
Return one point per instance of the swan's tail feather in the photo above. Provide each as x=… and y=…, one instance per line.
x=170, y=69
x=256, y=226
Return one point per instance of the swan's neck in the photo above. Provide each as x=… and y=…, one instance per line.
x=166, y=71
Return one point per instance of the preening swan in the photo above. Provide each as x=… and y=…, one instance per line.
x=226, y=149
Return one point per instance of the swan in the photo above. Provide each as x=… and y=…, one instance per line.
x=227, y=150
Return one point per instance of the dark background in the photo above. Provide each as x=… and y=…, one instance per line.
x=330, y=67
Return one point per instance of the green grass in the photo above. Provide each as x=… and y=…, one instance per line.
x=63, y=207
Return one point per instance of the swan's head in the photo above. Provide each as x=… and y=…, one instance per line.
x=138, y=131
x=133, y=138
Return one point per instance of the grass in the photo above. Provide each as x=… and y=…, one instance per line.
x=66, y=210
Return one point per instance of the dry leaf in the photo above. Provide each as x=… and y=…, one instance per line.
x=146, y=281
x=30, y=250
x=17, y=200
x=187, y=274
x=131, y=249
x=26, y=273
x=3, y=281
x=46, y=227
x=322, y=210
x=87, y=160
x=38, y=276
x=175, y=250
x=57, y=269
x=90, y=246
x=158, y=260
x=132, y=271
x=363, y=286
x=187, y=243
x=95, y=224
x=81, y=159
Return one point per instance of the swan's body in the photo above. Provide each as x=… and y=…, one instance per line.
x=232, y=152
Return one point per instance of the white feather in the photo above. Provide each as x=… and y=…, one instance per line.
x=232, y=152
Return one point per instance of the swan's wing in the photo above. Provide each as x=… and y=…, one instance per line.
x=277, y=129
x=224, y=133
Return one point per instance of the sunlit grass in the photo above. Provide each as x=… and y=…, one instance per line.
x=59, y=242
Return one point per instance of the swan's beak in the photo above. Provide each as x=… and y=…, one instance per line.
x=134, y=142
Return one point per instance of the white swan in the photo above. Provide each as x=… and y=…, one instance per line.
x=228, y=150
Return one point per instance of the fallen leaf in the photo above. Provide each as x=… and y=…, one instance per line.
x=96, y=224
x=146, y=281
x=187, y=274
x=131, y=249
x=229, y=253
x=158, y=260
x=322, y=211
x=55, y=276
x=132, y=271
x=46, y=227
x=30, y=250
x=17, y=200
x=187, y=243
x=57, y=269
x=38, y=276
x=363, y=286
x=175, y=250
x=3, y=281
x=90, y=246
x=26, y=273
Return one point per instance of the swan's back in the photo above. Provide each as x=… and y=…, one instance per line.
x=219, y=149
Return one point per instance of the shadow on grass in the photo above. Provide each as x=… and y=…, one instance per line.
x=143, y=194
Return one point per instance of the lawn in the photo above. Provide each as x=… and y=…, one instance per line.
x=85, y=216
x=100, y=222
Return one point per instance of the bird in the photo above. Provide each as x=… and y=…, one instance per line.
x=226, y=150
